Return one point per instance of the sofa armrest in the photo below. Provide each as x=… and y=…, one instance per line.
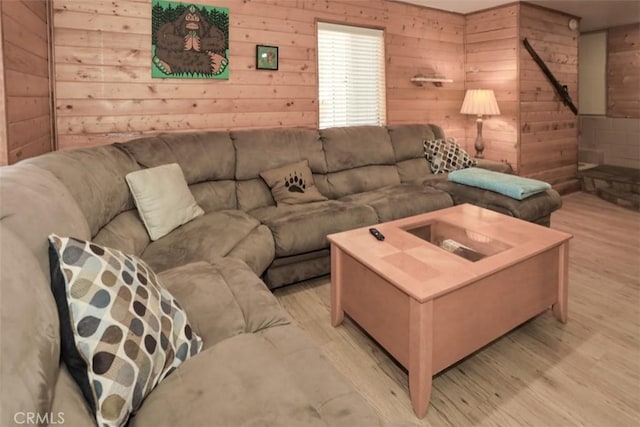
x=537, y=208
x=492, y=165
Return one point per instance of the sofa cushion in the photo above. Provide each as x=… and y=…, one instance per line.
x=162, y=198
x=205, y=238
x=121, y=331
x=401, y=201
x=215, y=195
x=95, y=178
x=68, y=401
x=429, y=179
x=257, y=249
x=203, y=156
x=223, y=298
x=446, y=155
x=253, y=194
x=359, y=158
x=303, y=228
x=125, y=232
x=357, y=180
x=408, y=147
x=33, y=204
x=413, y=169
x=355, y=146
x=407, y=139
x=30, y=344
x=292, y=184
x=263, y=149
x=276, y=377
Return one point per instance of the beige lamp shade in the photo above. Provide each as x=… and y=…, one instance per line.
x=481, y=102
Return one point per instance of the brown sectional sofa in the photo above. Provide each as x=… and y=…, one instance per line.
x=255, y=367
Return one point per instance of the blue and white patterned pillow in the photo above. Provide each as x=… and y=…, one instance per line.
x=121, y=331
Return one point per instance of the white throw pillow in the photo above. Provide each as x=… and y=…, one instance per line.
x=163, y=198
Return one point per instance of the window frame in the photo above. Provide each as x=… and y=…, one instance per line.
x=382, y=110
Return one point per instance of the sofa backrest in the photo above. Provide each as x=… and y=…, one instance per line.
x=408, y=147
x=207, y=160
x=223, y=169
x=95, y=178
x=264, y=149
x=34, y=203
x=359, y=158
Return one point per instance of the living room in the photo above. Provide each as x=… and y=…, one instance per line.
x=76, y=74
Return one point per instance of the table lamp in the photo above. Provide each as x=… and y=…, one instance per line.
x=481, y=102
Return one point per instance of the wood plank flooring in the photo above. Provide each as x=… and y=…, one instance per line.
x=543, y=373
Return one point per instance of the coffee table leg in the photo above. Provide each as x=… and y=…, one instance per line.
x=560, y=307
x=420, y=355
x=337, y=313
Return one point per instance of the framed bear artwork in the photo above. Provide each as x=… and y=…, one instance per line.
x=189, y=41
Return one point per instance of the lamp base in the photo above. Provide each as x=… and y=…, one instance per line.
x=479, y=144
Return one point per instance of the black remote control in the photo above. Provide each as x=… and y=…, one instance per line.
x=378, y=235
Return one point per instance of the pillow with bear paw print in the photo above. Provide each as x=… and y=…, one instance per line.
x=292, y=184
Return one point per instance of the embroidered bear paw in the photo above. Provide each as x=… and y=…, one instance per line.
x=295, y=183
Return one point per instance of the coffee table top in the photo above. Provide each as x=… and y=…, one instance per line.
x=437, y=252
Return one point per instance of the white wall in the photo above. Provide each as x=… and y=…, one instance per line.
x=610, y=141
x=592, y=87
x=603, y=140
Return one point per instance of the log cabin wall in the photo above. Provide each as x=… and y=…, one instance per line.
x=548, y=129
x=623, y=78
x=105, y=92
x=4, y=159
x=614, y=138
x=535, y=133
x=491, y=56
x=25, y=96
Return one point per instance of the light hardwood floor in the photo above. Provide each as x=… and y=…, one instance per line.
x=543, y=373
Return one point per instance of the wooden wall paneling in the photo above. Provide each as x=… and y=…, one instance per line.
x=39, y=8
x=27, y=95
x=492, y=63
x=428, y=42
x=557, y=176
x=4, y=155
x=117, y=98
x=623, y=71
x=105, y=92
x=548, y=129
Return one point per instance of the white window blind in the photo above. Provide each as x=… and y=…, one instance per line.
x=351, y=79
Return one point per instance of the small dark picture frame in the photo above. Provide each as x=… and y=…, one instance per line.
x=266, y=57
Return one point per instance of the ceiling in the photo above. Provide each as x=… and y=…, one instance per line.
x=595, y=14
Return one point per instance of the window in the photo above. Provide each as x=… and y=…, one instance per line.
x=351, y=79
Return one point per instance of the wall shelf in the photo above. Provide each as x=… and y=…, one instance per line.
x=437, y=81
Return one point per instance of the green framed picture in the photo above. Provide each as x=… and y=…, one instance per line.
x=266, y=57
x=189, y=41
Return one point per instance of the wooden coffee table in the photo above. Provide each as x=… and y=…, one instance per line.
x=444, y=284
